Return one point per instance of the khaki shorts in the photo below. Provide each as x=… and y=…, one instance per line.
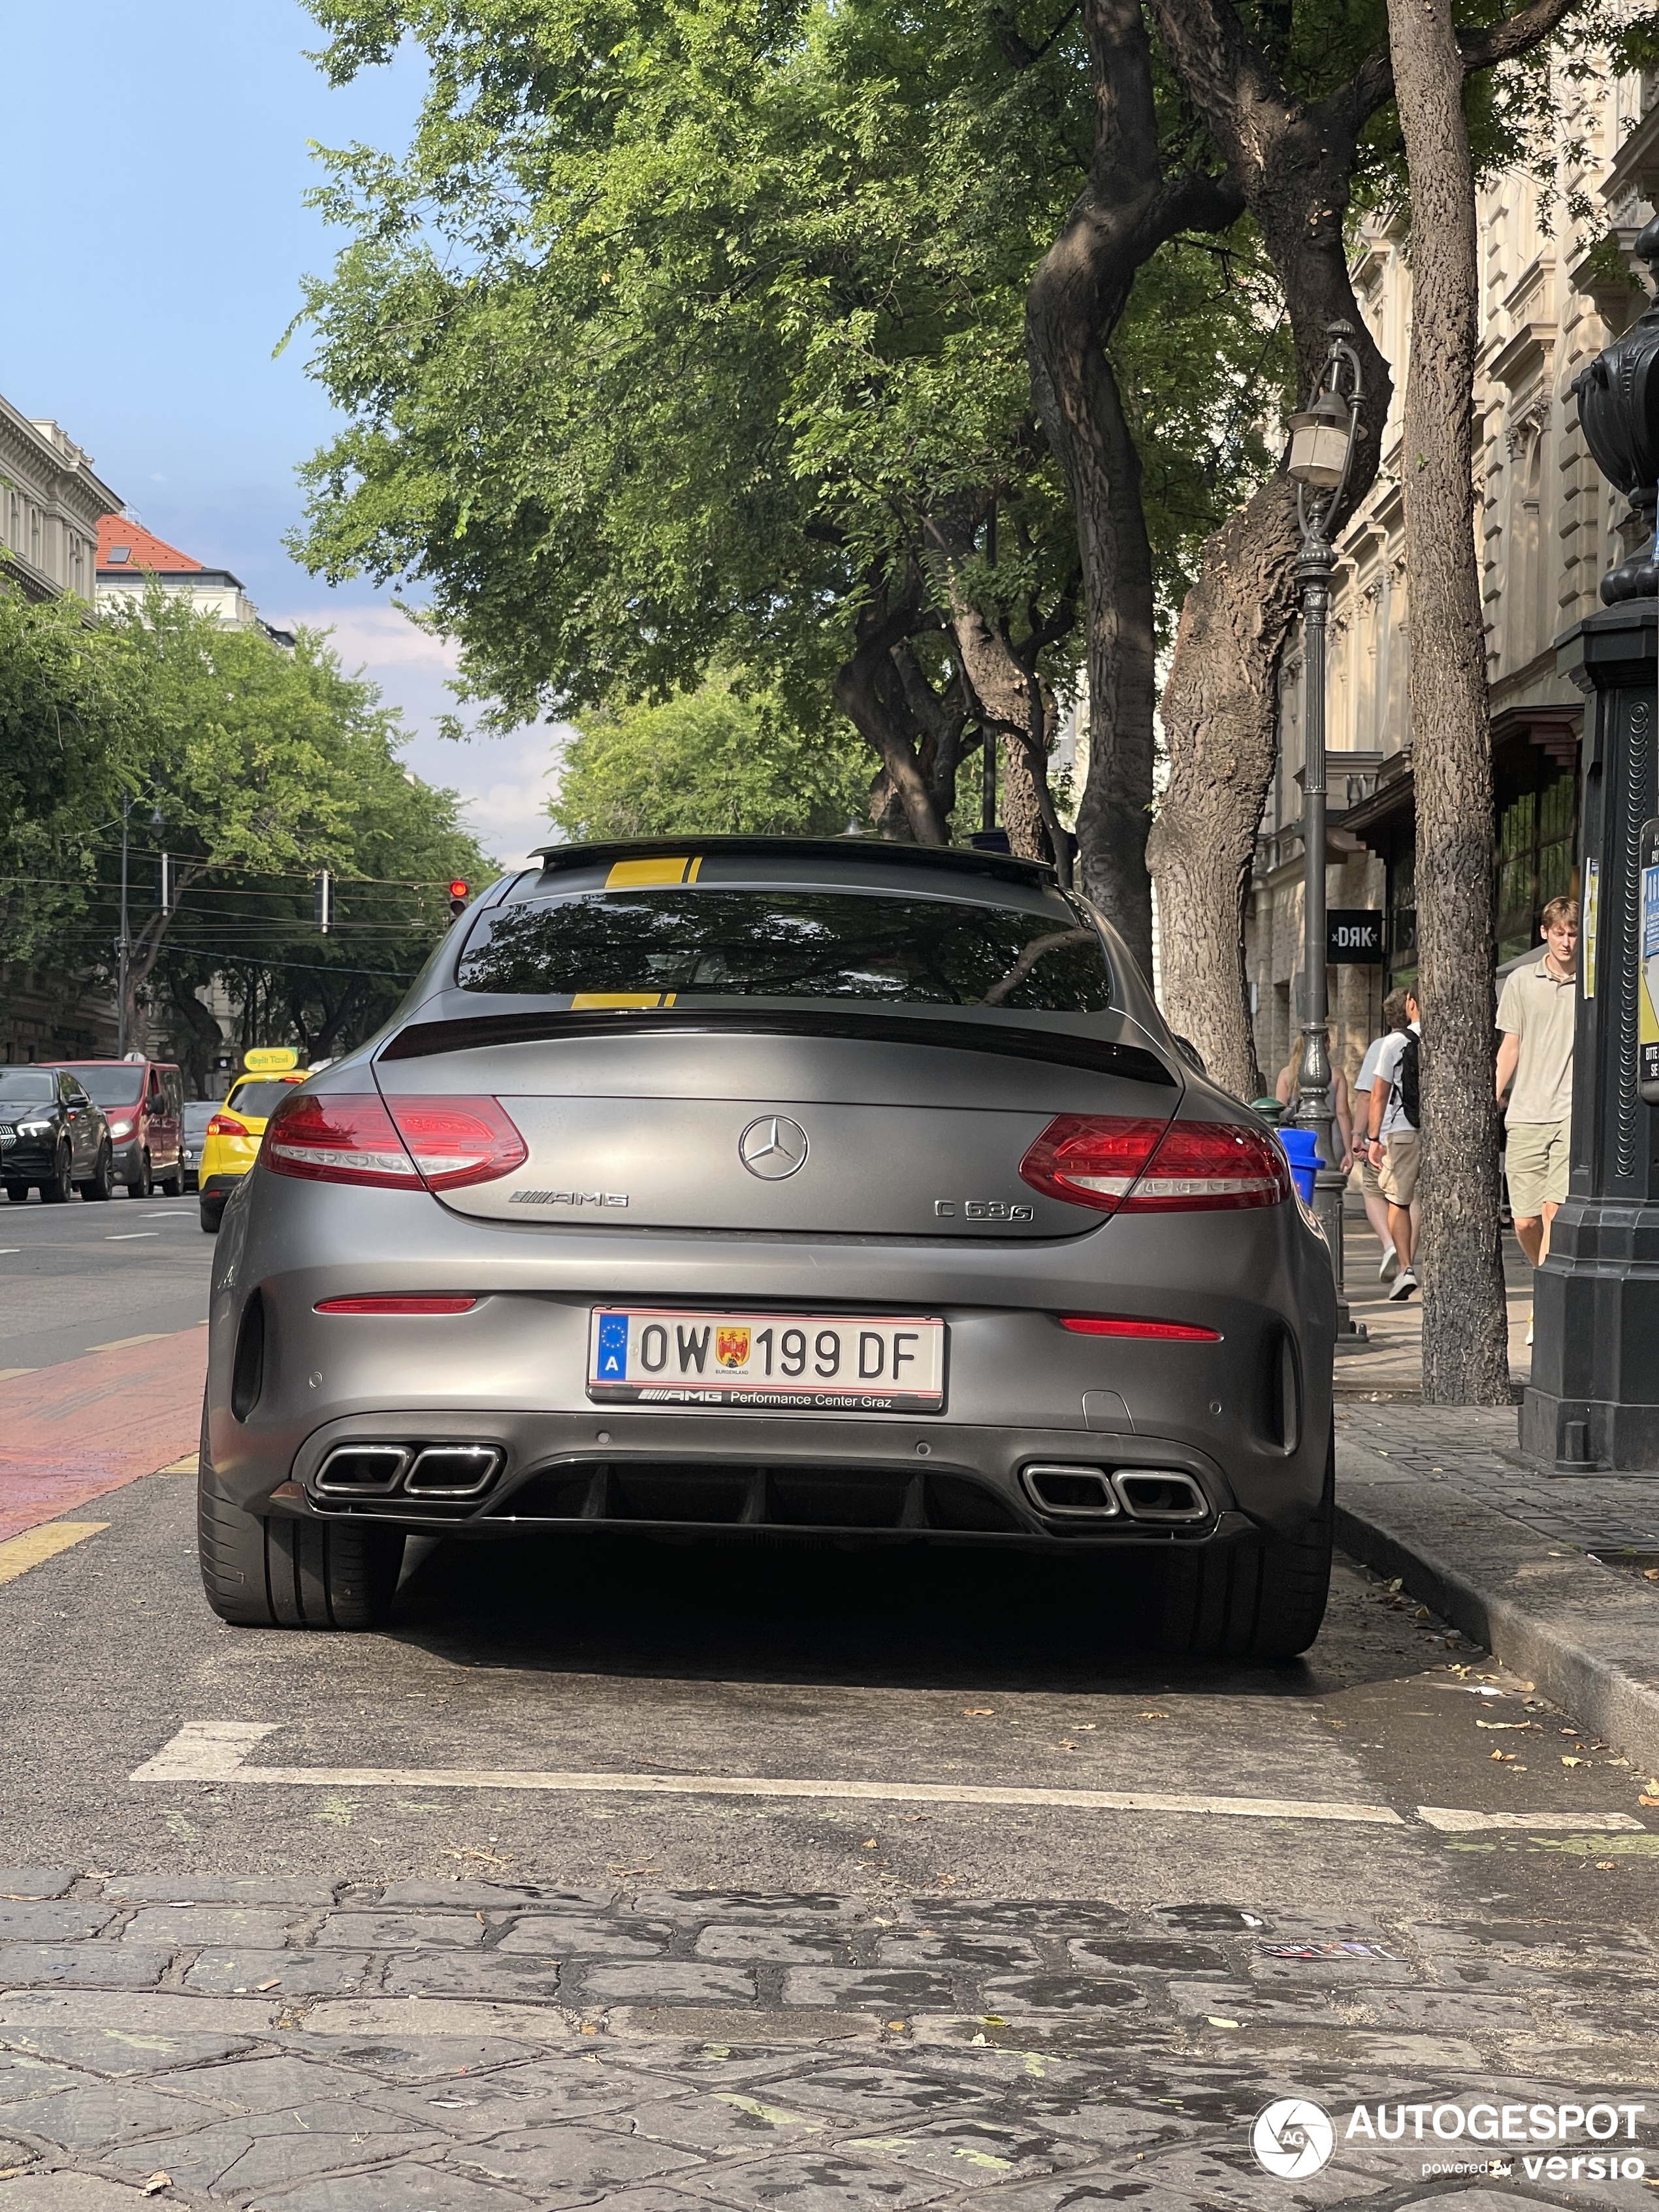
x=1369, y=1182
x=1535, y=1162
x=1402, y=1158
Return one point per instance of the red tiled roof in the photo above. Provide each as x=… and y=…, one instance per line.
x=144, y=549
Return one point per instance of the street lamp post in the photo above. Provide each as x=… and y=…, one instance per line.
x=123, y=944
x=1321, y=453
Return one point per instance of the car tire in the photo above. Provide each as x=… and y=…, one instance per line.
x=144, y=1184
x=61, y=1186
x=291, y=1574
x=18, y=1192
x=173, y=1186
x=212, y=1212
x=100, y=1184
x=1261, y=1600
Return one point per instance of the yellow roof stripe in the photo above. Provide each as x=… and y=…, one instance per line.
x=635, y=875
x=585, y=1001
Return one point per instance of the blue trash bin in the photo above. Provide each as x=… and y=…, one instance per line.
x=1302, y=1150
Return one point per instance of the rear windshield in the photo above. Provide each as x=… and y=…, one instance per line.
x=261, y=1100
x=112, y=1086
x=20, y=1083
x=657, y=945
x=197, y=1115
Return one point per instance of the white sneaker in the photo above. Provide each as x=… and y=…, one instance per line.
x=1528, y=1325
x=1405, y=1286
x=1390, y=1267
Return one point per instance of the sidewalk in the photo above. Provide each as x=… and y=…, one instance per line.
x=1389, y=1359
x=1550, y=1572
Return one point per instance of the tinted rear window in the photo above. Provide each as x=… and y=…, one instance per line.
x=261, y=1100
x=712, y=943
x=20, y=1084
x=112, y=1086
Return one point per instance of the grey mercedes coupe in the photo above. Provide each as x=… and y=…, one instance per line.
x=750, y=1185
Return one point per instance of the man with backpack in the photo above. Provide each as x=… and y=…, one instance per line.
x=1396, y=1149
x=1535, y=1019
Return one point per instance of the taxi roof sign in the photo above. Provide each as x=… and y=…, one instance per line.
x=270, y=1059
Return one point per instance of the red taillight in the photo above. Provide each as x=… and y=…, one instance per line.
x=392, y=1143
x=1169, y=1332
x=227, y=1124
x=414, y=1305
x=1119, y=1164
x=459, y=1140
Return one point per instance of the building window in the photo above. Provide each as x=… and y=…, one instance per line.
x=1535, y=854
x=1402, y=911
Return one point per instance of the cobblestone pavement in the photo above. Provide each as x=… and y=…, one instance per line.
x=1389, y=1360
x=473, y=2047
x=1474, y=1449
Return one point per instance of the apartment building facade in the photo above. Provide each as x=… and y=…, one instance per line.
x=1555, y=290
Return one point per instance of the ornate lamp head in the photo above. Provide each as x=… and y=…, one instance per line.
x=1618, y=396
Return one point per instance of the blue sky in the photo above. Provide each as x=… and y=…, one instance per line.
x=155, y=167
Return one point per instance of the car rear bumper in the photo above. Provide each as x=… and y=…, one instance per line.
x=509, y=1377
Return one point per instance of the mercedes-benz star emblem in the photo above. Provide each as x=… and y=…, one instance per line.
x=773, y=1147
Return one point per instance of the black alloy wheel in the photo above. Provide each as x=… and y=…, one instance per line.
x=101, y=1183
x=173, y=1186
x=144, y=1185
x=211, y=1211
x=61, y=1184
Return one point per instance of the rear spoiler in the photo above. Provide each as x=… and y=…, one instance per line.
x=1059, y=1048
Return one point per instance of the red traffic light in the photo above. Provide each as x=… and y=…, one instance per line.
x=458, y=889
x=458, y=896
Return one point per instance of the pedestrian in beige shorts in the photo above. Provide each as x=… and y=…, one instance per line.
x=1395, y=1148
x=1370, y=1189
x=1535, y=1019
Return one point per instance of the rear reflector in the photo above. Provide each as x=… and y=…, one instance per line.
x=415, y=1305
x=1120, y=1163
x=391, y=1144
x=227, y=1124
x=1170, y=1332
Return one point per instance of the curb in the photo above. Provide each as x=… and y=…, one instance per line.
x=1586, y=1636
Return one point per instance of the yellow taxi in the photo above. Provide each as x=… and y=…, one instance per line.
x=232, y=1142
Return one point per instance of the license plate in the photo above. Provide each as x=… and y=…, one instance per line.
x=815, y=1363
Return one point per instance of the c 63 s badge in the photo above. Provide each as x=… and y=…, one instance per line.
x=982, y=1209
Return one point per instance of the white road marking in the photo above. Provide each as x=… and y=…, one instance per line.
x=6, y=1373
x=214, y=1751
x=11, y=1247
x=1595, y=1824
x=130, y=1235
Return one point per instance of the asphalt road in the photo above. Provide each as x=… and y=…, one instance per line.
x=77, y=1277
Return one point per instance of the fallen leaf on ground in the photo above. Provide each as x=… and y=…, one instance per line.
x=977, y=1712
x=1153, y=1717
x=1216, y=2021
x=1567, y=1761
x=157, y=2180
x=275, y=1983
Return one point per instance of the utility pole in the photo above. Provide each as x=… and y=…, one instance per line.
x=124, y=945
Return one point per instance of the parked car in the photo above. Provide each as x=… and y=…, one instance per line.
x=145, y=1101
x=760, y=1187
x=198, y=1112
x=53, y=1138
x=231, y=1143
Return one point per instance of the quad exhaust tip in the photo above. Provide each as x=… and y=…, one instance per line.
x=414, y=1470
x=1166, y=1495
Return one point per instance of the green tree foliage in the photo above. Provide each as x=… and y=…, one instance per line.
x=709, y=760
x=693, y=333
x=253, y=768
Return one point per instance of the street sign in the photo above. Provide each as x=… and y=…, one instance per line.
x=270, y=1059
x=1353, y=937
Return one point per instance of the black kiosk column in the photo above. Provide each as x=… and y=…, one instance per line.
x=1593, y=1400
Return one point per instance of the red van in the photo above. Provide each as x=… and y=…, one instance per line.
x=143, y=1102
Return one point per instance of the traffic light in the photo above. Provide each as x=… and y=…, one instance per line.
x=458, y=896
x=322, y=902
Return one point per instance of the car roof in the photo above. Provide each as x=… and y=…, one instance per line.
x=848, y=858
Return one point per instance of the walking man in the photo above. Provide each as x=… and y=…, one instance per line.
x=1534, y=1068
x=1395, y=1150
x=1377, y=1206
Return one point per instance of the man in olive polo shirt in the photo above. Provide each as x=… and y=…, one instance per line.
x=1535, y=1067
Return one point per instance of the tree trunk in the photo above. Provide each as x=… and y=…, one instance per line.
x=869, y=690
x=1219, y=719
x=1127, y=211
x=1465, y=1336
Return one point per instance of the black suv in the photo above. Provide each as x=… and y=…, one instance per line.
x=52, y=1135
